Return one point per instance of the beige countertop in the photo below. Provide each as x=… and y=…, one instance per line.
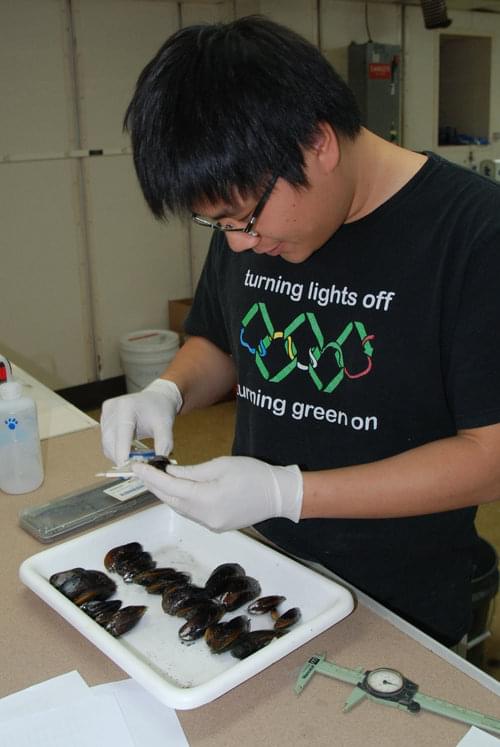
x=36, y=643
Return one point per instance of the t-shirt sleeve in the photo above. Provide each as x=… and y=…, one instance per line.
x=206, y=318
x=474, y=371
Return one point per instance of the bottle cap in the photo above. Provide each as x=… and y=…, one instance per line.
x=11, y=390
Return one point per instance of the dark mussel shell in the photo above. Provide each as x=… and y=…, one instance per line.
x=97, y=586
x=160, y=462
x=205, y=614
x=238, y=591
x=238, y=583
x=249, y=643
x=121, y=552
x=189, y=607
x=125, y=619
x=222, y=636
x=218, y=577
x=151, y=575
x=82, y=586
x=169, y=584
x=287, y=619
x=128, y=568
x=60, y=578
x=101, y=610
x=178, y=600
x=265, y=604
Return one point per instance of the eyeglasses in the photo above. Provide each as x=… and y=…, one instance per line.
x=248, y=229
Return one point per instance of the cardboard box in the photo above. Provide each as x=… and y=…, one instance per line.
x=178, y=309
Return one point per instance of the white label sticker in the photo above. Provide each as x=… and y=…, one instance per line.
x=127, y=489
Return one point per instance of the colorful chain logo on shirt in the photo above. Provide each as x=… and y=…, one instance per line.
x=286, y=358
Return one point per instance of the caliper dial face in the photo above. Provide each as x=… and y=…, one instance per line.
x=385, y=681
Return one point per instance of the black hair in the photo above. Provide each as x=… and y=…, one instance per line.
x=224, y=106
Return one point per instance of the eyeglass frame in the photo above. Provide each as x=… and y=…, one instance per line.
x=248, y=229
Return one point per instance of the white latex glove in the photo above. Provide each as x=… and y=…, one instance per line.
x=150, y=413
x=228, y=492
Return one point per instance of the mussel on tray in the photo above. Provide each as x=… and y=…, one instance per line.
x=239, y=590
x=122, y=552
x=81, y=585
x=203, y=608
x=90, y=589
x=181, y=599
x=287, y=619
x=128, y=561
x=199, y=618
x=101, y=611
x=227, y=588
x=251, y=642
x=222, y=636
x=158, y=580
x=265, y=604
x=125, y=619
x=215, y=584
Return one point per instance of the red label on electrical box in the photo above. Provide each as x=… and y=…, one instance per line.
x=379, y=70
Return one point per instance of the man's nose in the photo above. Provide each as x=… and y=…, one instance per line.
x=239, y=241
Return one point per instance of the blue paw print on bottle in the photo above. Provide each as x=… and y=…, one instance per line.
x=11, y=423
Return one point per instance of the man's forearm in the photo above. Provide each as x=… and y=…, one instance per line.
x=451, y=473
x=203, y=373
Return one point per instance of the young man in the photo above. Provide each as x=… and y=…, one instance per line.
x=350, y=292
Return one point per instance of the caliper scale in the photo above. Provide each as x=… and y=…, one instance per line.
x=389, y=687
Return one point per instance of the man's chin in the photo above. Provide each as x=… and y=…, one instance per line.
x=296, y=257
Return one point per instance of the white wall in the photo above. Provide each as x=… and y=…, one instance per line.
x=45, y=323
x=135, y=263
x=85, y=255
x=82, y=259
x=421, y=89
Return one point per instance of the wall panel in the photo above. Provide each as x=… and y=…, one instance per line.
x=206, y=12
x=136, y=263
x=299, y=15
x=45, y=321
x=35, y=80
x=115, y=39
x=45, y=312
x=421, y=83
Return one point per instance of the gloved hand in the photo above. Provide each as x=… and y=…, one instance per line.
x=228, y=492
x=148, y=413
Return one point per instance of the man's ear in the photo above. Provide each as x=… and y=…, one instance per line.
x=326, y=148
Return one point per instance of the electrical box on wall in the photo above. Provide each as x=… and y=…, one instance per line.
x=374, y=77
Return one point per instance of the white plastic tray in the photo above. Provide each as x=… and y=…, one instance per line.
x=179, y=675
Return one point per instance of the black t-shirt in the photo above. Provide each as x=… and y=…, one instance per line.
x=383, y=340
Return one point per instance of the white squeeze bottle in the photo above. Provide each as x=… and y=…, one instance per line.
x=21, y=468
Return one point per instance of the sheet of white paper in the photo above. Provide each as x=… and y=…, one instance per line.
x=58, y=691
x=478, y=738
x=150, y=723
x=94, y=720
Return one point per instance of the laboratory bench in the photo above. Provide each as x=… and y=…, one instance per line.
x=36, y=643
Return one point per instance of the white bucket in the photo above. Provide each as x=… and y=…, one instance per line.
x=145, y=355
